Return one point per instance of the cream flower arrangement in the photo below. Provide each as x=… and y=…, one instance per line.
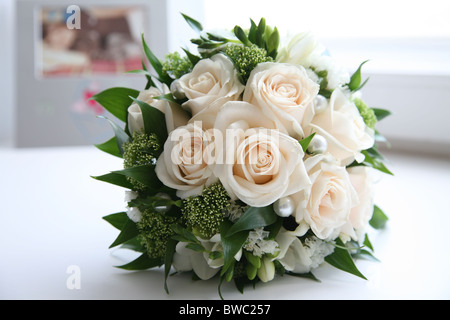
x=245, y=160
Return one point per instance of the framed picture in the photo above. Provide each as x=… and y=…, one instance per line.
x=65, y=53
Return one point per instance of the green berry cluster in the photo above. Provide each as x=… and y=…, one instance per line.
x=204, y=213
x=140, y=150
x=366, y=113
x=155, y=231
x=246, y=58
x=175, y=65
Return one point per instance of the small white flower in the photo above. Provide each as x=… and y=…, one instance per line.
x=258, y=245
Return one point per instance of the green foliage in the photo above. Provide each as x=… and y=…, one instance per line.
x=204, y=213
x=355, y=80
x=246, y=58
x=116, y=101
x=379, y=218
x=143, y=149
x=342, y=260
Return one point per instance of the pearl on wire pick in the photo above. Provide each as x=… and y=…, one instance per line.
x=320, y=103
x=284, y=207
x=163, y=208
x=318, y=144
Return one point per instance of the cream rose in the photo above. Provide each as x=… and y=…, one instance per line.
x=325, y=207
x=262, y=166
x=283, y=92
x=211, y=80
x=343, y=127
x=175, y=116
x=182, y=165
x=362, y=179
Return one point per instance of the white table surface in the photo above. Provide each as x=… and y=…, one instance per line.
x=51, y=219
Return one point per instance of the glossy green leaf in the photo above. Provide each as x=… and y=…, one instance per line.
x=308, y=275
x=128, y=232
x=240, y=34
x=143, y=262
x=230, y=244
x=342, y=260
x=154, y=121
x=194, y=24
x=306, y=141
x=144, y=174
x=155, y=63
x=379, y=218
x=116, y=100
x=110, y=146
x=254, y=217
x=355, y=79
x=121, y=136
x=117, y=220
x=116, y=179
x=170, y=250
x=381, y=113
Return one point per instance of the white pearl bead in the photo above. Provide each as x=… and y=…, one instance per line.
x=284, y=207
x=163, y=208
x=320, y=103
x=318, y=144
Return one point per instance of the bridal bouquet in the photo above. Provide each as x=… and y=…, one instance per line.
x=249, y=158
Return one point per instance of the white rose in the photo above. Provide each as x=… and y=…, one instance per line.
x=362, y=179
x=283, y=92
x=175, y=116
x=325, y=207
x=299, y=49
x=262, y=166
x=211, y=80
x=181, y=165
x=343, y=128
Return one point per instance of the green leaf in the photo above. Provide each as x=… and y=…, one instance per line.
x=111, y=146
x=240, y=34
x=367, y=242
x=116, y=101
x=116, y=179
x=194, y=24
x=379, y=218
x=144, y=174
x=254, y=217
x=143, y=262
x=308, y=275
x=154, y=121
x=156, y=64
x=192, y=57
x=306, y=141
x=117, y=220
x=381, y=113
x=375, y=163
x=128, y=232
x=355, y=79
x=273, y=43
x=230, y=244
x=341, y=259
x=183, y=235
x=121, y=136
x=170, y=250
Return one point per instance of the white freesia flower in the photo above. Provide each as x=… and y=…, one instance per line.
x=343, y=128
x=175, y=116
x=283, y=92
x=211, y=80
x=299, y=49
x=186, y=259
x=325, y=207
x=182, y=165
x=301, y=257
x=261, y=166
